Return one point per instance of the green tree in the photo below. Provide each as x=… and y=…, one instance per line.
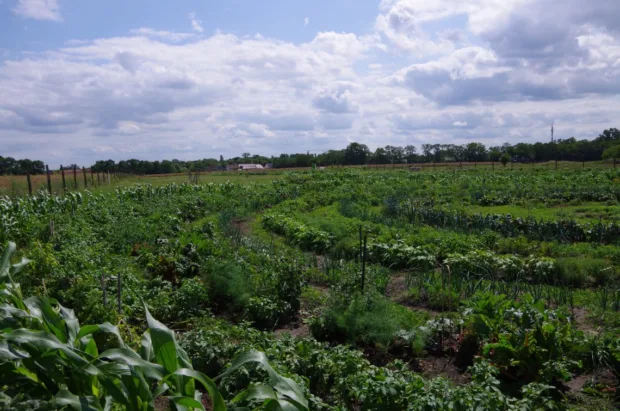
x=612, y=152
x=356, y=154
x=505, y=159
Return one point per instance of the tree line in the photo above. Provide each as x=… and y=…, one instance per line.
x=11, y=166
x=606, y=145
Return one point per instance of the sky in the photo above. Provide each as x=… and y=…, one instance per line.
x=156, y=79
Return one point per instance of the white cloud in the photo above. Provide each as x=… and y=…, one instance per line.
x=173, y=37
x=498, y=74
x=306, y=21
x=38, y=9
x=196, y=24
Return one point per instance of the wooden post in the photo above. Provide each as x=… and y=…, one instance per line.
x=98, y=179
x=64, y=183
x=105, y=291
x=85, y=180
x=556, y=163
x=361, y=244
x=29, y=183
x=493, y=165
x=119, y=291
x=109, y=176
x=92, y=177
x=75, y=176
x=49, y=179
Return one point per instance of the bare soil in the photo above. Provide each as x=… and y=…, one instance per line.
x=243, y=225
x=582, y=322
x=432, y=367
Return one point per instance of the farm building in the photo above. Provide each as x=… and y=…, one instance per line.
x=250, y=166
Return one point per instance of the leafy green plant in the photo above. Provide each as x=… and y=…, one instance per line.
x=54, y=359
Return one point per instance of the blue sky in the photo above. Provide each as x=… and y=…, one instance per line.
x=85, y=80
x=89, y=20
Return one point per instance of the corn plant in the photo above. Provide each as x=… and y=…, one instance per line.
x=46, y=354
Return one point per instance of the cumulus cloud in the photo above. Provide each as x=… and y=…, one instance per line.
x=38, y=9
x=484, y=70
x=170, y=36
x=196, y=24
x=336, y=99
x=534, y=50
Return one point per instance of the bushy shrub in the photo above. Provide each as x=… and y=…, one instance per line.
x=578, y=272
x=266, y=313
x=365, y=320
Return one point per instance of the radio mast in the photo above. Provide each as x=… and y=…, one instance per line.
x=552, y=132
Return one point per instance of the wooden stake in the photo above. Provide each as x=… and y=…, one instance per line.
x=105, y=291
x=119, y=291
x=85, y=180
x=75, y=176
x=49, y=179
x=64, y=183
x=364, y=253
x=29, y=183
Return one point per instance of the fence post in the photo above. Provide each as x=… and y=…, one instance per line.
x=75, y=176
x=92, y=177
x=493, y=165
x=364, y=262
x=109, y=176
x=49, y=179
x=64, y=184
x=98, y=179
x=119, y=291
x=105, y=291
x=29, y=183
x=85, y=180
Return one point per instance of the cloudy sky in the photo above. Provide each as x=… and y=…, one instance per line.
x=152, y=79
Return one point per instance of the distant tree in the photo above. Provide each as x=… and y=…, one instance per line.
x=395, y=154
x=221, y=158
x=246, y=155
x=505, y=159
x=380, y=156
x=613, y=134
x=612, y=152
x=475, y=152
x=356, y=154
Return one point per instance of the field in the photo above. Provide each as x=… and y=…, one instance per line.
x=366, y=289
x=15, y=186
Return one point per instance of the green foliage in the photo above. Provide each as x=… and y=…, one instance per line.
x=365, y=320
x=53, y=359
x=612, y=152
